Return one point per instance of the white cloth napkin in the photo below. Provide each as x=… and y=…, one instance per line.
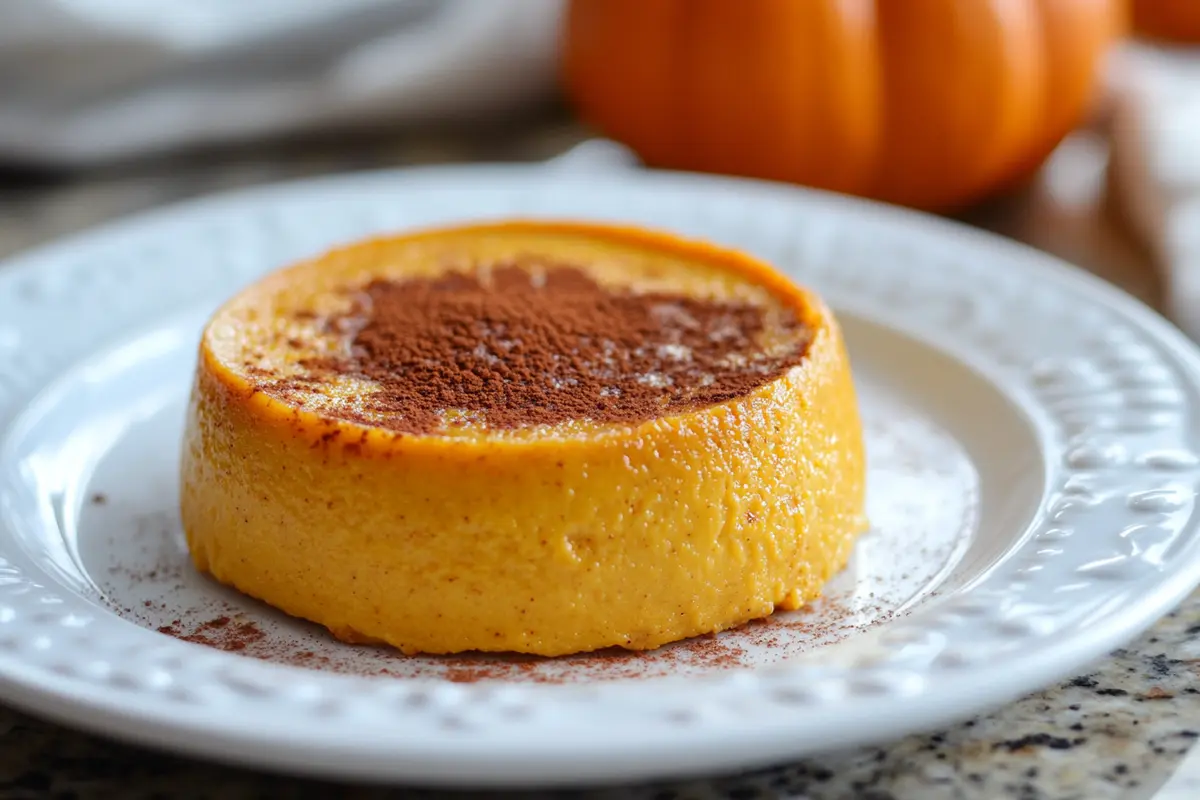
x=1156, y=166
x=87, y=81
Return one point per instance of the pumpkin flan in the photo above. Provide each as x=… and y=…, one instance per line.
x=533, y=437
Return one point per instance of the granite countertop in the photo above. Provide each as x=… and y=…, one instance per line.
x=1126, y=727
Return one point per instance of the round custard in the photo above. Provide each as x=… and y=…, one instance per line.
x=543, y=438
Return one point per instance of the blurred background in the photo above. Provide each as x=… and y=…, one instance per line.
x=1072, y=125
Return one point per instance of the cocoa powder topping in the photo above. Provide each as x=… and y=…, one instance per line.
x=514, y=348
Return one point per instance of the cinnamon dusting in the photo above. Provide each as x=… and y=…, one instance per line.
x=513, y=348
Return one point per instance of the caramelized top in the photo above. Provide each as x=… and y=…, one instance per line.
x=521, y=340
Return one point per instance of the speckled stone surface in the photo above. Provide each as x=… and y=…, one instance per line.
x=1126, y=728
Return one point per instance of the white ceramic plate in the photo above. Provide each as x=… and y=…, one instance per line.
x=1033, y=464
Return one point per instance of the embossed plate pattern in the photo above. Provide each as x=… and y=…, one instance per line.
x=1075, y=405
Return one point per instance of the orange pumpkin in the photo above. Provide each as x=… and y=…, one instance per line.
x=1176, y=20
x=928, y=103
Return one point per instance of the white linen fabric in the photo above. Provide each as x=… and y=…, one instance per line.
x=88, y=81
x=1156, y=163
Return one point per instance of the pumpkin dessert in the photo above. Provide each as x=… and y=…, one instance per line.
x=543, y=438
